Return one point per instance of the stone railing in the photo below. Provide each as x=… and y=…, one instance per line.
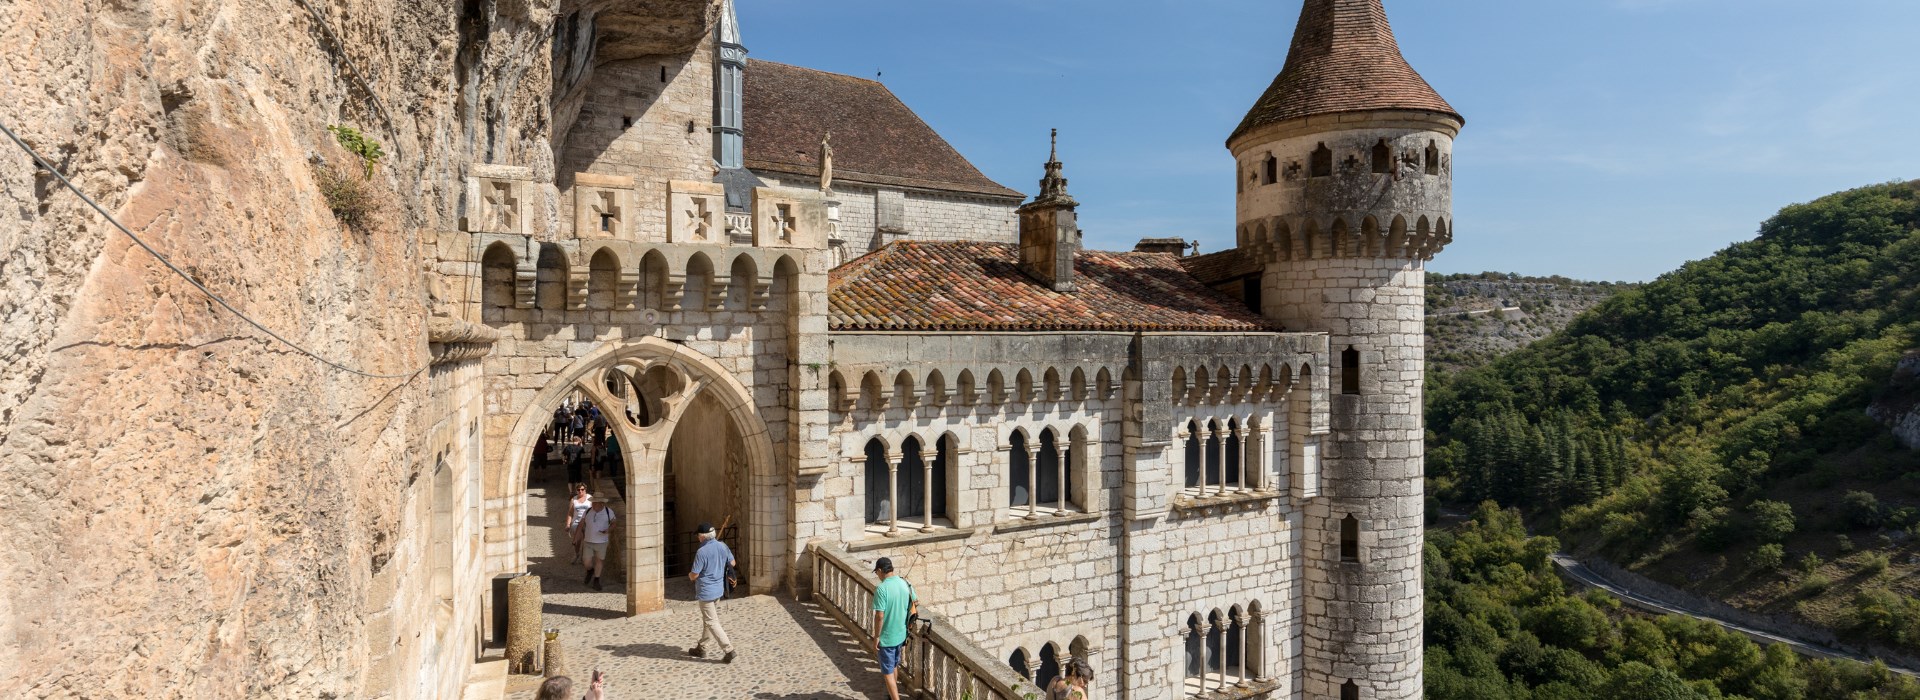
x=938, y=662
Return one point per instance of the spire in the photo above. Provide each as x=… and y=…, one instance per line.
x=1344, y=59
x=729, y=24
x=1053, y=187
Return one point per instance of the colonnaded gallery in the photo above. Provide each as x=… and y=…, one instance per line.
x=812, y=319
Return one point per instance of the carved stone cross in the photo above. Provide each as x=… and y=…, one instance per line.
x=699, y=218
x=503, y=209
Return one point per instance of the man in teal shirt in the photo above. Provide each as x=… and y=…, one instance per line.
x=893, y=601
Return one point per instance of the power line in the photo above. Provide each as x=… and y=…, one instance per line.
x=182, y=273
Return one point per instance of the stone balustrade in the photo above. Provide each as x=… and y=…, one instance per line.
x=938, y=662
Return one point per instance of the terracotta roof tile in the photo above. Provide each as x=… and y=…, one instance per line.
x=877, y=139
x=1344, y=59
x=971, y=286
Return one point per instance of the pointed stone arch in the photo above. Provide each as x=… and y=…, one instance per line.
x=688, y=376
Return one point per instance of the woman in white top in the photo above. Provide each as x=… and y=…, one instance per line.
x=576, y=515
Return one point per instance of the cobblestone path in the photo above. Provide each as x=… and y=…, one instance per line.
x=788, y=650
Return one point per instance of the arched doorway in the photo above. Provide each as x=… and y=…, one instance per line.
x=668, y=396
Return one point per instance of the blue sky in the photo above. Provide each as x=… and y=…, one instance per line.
x=1605, y=139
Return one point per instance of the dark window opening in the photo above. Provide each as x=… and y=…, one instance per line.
x=1193, y=454
x=1382, y=157
x=1272, y=169
x=1350, y=371
x=606, y=222
x=1433, y=159
x=1349, y=691
x=663, y=74
x=626, y=122
x=1321, y=163
x=1350, y=539
x=1019, y=663
x=1250, y=292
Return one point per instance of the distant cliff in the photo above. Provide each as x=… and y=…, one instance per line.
x=1473, y=318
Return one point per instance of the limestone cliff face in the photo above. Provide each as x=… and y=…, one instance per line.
x=191, y=509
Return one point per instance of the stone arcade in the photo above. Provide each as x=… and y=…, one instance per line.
x=1203, y=474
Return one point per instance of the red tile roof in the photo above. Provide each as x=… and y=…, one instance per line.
x=970, y=286
x=877, y=140
x=1344, y=59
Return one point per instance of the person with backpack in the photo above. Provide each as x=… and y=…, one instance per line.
x=710, y=565
x=894, y=603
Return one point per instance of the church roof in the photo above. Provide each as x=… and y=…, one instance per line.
x=973, y=286
x=877, y=140
x=1344, y=59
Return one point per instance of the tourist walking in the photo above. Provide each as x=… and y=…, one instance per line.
x=709, y=573
x=577, y=517
x=1073, y=682
x=893, y=603
x=598, y=523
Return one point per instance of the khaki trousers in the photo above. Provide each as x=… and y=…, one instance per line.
x=710, y=626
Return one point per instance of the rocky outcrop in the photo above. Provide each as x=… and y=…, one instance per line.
x=1474, y=318
x=1899, y=409
x=195, y=510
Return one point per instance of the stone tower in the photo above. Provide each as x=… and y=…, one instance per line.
x=1049, y=229
x=1344, y=176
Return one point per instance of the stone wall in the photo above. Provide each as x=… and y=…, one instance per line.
x=635, y=124
x=1110, y=575
x=925, y=216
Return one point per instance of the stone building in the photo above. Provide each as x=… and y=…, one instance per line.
x=1202, y=474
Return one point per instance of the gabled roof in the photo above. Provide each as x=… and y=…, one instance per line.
x=877, y=140
x=971, y=286
x=1344, y=59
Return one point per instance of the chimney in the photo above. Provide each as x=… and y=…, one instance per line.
x=1176, y=246
x=1049, y=229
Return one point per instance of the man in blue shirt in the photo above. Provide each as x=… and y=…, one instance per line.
x=709, y=586
x=893, y=602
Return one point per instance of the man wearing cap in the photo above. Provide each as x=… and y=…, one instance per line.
x=709, y=586
x=893, y=601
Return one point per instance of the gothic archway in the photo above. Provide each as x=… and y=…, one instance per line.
x=677, y=379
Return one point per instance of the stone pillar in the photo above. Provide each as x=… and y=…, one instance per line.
x=1060, y=462
x=645, y=531
x=523, y=624
x=1033, y=480
x=926, y=483
x=893, y=494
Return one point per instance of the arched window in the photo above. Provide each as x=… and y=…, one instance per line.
x=942, y=467
x=836, y=392
x=1193, y=454
x=1350, y=539
x=1017, y=487
x=1079, y=649
x=1349, y=371
x=553, y=273
x=1272, y=170
x=1213, y=453
x=1018, y=660
x=1256, y=641
x=1049, y=473
x=1433, y=159
x=1236, y=644
x=1321, y=163
x=1235, y=432
x=1349, y=691
x=497, y=280
x=1382, y=158
x=879, y=483
x=912, y=478
x=1216, y=641
x=1196, y=655
x=1049, y=666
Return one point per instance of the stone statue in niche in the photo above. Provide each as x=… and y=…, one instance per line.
x=826, y=163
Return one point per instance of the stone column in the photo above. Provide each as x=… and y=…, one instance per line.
x=926, y=483
x=1033, y=480
x=1241, y=619
x=1219, y=456
x=893, y=494
x=1240, y=446
x=645, y=526
x=1060, y=462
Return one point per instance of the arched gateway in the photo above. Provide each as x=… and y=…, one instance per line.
x=685, y=395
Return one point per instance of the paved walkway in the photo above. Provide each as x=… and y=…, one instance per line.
x=788, y=650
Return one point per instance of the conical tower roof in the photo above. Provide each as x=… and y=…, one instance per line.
x=1344, y=59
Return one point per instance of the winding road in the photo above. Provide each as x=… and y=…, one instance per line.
x=1580, y=572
